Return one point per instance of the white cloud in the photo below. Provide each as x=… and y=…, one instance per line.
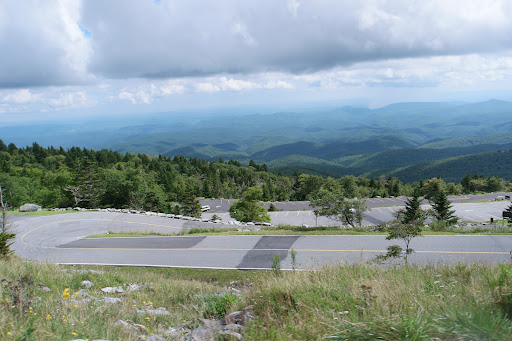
x=127, y=96
x=42, y=44
x=293, y=7
x=153, y=52
x=206, y=87
x=68, y=100
x=21, y=96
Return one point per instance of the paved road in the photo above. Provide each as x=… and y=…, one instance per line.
x=467, y=212
x=222, y=205
x=60, y=239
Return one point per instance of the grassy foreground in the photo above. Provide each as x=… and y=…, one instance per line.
x=360, y=302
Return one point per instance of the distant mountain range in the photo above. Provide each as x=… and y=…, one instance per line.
x=407, y=140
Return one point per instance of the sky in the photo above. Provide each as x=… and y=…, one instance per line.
x=65, y=58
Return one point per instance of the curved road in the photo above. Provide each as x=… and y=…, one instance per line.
x=60, y=239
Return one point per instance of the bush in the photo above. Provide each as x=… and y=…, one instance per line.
x=5, y=244
x=218, y=306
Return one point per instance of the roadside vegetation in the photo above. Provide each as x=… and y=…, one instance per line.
x=452, y=302
x=500, y=227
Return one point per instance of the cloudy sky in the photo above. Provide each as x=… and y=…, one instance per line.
x=61, y=57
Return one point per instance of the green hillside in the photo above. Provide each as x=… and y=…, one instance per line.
x=466, y=141
x=454, y=169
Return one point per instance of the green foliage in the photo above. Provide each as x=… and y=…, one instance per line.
x=405, y=232
x=276, y=264
x=441, y=208
x=293, y=254
x=190, y=206
x=413, y=213
x=216, y=306
x=6, y=240
x=335, y=206
x=54, y=177
x=249, y=208
x=502, y=289
x=507, y=214
x=272, y=208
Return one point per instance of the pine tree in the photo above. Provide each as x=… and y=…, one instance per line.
x=507, y=214
x=413, y=214
x=442, y=208
x=190, y=206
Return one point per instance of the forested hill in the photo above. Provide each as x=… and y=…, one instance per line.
x=55, y=177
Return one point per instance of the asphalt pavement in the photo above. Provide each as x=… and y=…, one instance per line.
x=223, y=205
x=60, y=239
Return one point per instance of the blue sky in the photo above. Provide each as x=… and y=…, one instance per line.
x=63, y=58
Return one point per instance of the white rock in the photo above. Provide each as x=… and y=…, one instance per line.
x=109, y=290
x=112, y=300
x=87, y=284
x=30, y=208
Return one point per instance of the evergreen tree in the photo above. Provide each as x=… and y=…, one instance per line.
x=466, y=184
x=413, y=214
x=442, y=208
x=507, y=214
x=190, y=206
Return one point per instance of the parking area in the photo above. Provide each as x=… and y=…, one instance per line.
x=468, y=212
x=222, y=205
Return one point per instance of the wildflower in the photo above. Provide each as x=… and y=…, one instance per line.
x=74, y=334
x=35, y=314
x=83, y=322
x=48, y=317
x=75, y=306
x=66, y=294
x=75, y=295
x=8, y=333
x=30, y=308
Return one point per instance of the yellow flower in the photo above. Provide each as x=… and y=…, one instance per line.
x=9, y=333
x=48, y=317
x=29, y=308
x=74, y=334
x=75, y=306
x=83, y=322
x=35, y=314
x=66, y=294
x=75, y=295
x=148, y=318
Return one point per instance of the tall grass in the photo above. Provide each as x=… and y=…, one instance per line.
x=345, y=302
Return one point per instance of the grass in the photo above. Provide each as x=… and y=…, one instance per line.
x=356, y=302
x=499, y=229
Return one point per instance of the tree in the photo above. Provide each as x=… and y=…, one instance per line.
x=190, y=206
x=407, y=226
x=441, y=208
x=249, y=208
x=334, y=206
x=5, y=236
x=507, y=214
x=432, y=187
x=404, y=232
x=413, y=213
